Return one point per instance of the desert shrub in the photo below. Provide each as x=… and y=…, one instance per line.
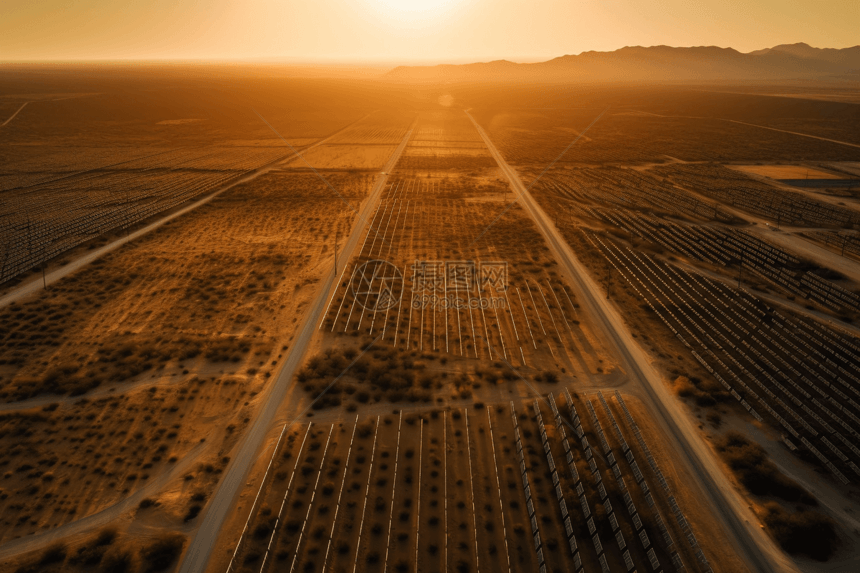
x=55, y=553
x=705, y=393
x=809, y=533
x=146, y=503
x=116, y=560
x=756, y=472
x=105, y=537
x=227, y=350
x=252, y=557
x=684, y=388
x=193, y=511
x=385, y=374
x=92, y=553
x=160, y=554
x=262, y=530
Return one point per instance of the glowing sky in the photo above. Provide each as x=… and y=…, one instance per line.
x=400, y=30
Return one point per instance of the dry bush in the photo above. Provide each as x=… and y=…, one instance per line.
x=809, y=533
x=93, y=553
x=160, y=554
x=705, y=392
x=100, y=553
x=112, y=445
x=172, y=297
x=55, y=553
x=116, y=560
x=757, y=473
x=387, y=373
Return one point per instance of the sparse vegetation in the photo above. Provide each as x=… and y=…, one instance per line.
x=161, y=553
x=756, y=472
x=388, y=372
x=805, y=532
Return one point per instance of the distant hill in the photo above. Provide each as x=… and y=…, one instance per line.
x=655, y=64
x=849, y=57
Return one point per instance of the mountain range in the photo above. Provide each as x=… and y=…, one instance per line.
x=655, y=64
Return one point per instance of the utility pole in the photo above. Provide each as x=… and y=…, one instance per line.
x=741, y=270
x=127, y=215
x=335, y=248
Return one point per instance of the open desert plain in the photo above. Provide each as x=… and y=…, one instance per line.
x=590, y=313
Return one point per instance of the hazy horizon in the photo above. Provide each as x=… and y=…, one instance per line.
x=370, y=64
x=429, y=285
x=371, y=32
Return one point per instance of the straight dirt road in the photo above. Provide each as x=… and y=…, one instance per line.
x=11, y=117
x=103, y=517
x=756, y=549
x=203, y=542
x=837, y=141
x=33, y=285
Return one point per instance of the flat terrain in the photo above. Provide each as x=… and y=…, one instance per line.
x=208, y=345
x=417, y=329
x=787, y=172
x=459, y=355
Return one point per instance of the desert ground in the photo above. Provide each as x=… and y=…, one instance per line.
x=250, y=323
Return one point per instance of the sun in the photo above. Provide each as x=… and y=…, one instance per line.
x=416, y=6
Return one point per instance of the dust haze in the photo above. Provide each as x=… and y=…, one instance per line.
x=597, y=312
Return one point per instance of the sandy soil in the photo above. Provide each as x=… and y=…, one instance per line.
x=536, y=325
x=248, y=225
x=786, y=171
x=673, y=418
x=809, y=250
x=712, y=537
x=345, y=157
x=207, y=537
x=119, y=331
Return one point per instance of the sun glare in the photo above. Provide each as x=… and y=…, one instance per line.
x=414, y=11
x=416, y=6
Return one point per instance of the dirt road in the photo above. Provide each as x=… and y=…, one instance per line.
x=756, y=125
x=794, y=133
x=11, y=117
x=105, y=516
x=34, y=284
x=753, y=545
x=203, y=542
